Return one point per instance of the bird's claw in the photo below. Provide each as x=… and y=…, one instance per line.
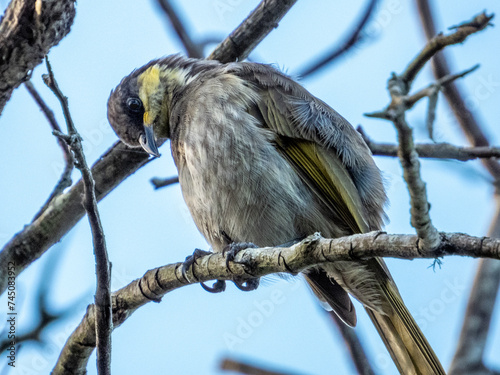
x=234, y=248
x=230, y=252
x=218, y=287
x=247, y=285
x=190, y=260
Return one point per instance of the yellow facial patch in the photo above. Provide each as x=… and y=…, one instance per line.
x=149, y=83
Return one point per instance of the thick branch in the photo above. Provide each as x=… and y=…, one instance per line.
x=305, y=254
x=27, y=32
x=238, y=45
x=112, y=168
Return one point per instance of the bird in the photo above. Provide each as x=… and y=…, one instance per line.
x=263, y=161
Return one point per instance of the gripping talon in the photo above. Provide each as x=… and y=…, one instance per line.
x=218, y=287
x=190, y=260
x=247, y=285
x=234, y=248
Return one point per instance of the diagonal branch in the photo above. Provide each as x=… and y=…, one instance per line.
x=440, y=41
x=259, y=262
x=192, y=49
x=238, y=45
x=338, y=51
x=104, y=321
x=118, y=162
x=27, y=33
x=65, y=179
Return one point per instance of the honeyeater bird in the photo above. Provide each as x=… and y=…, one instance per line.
x=261, y=160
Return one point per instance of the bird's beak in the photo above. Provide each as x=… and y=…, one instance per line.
x=148, y=142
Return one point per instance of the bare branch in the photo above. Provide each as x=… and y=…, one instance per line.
x=26, y=35
x=433, y=150
x=468, y=122
x=192, y=48
x=468, y=357
x=399, y=87
x=65, y=179
x=240, y=367
x=117, y=163
x=337, y=51
x=353, y=346
x=440, y=41
x=264, y=261
x=162, y=182
x=238, y=45
x=104, y=321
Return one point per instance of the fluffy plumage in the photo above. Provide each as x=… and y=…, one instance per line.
x=262, y=160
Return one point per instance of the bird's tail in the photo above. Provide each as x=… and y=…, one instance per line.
x=404, y=340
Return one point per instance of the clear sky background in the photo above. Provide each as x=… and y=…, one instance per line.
x=191, y=330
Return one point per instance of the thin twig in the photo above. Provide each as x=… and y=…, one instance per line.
x=65, y=179
x=353, y=346
x=469, y=354
x=399, y=87
x=104, y=321
x=440, y=41
x=162, y=182
x=433, y=150
x=262, y=261
x=192, y=48
x=241, y=367
x=238, y=45
x=337, y=51
x=42, y=312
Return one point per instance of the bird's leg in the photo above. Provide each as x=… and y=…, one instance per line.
x=230, y=252
x=217, y=287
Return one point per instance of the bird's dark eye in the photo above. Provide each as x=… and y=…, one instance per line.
x=134, y=105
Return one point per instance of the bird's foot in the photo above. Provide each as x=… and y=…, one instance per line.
x=217, y=287
x=230, y=252
x=248, y=285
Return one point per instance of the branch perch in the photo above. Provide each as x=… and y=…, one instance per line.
x=264, y=261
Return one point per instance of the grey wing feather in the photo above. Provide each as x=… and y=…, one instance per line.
x=290, y=110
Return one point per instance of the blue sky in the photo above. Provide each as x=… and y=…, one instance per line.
x=191, y=330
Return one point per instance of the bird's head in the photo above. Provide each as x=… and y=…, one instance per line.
x=139, y=107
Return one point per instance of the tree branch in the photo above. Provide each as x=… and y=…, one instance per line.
x=117, y=163
x=433, y=150
x=238, y=45
x=240, y=367
x=440, y=41
x=257, y=262
x=468, y=357
x=104, y=321
x=353, y=346
x=192, y=48
x=337, y=51
x=65, y=179
x=28, y=30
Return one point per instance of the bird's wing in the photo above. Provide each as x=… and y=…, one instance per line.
x=327, y=152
